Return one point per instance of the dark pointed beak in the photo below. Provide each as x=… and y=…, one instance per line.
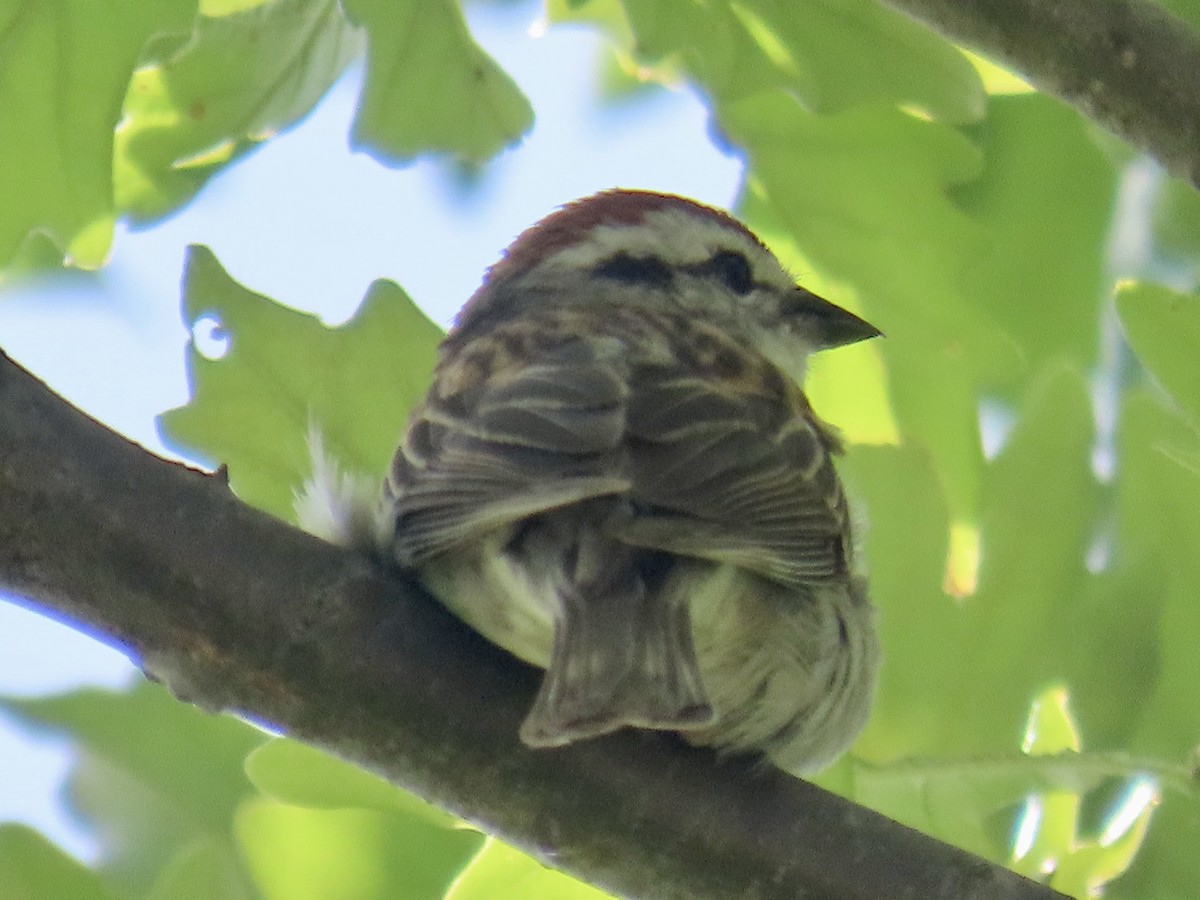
x=830, y=326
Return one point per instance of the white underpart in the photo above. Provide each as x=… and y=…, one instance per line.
x=339, y=506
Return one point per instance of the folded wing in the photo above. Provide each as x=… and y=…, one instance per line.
x=728, y=471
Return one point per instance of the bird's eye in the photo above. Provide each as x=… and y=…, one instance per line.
x=648, y=270
x=733, y=269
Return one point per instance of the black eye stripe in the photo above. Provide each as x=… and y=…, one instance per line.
x=648, y=270
x=733, y=269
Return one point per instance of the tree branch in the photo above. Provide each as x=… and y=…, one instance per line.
x=234, y=610
x=1128, y=64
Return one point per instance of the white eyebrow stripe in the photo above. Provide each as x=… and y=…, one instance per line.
x=678, y=237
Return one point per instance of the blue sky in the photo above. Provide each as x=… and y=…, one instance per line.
x=311, y=224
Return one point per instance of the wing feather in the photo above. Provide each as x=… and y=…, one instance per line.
x=757, y=489
x=539, y=437
x=734, y=472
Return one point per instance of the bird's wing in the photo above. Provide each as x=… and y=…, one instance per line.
x=737, y=472
x=729, y=469
x=503, y=445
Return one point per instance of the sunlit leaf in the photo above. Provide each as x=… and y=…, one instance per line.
x=905, y=542
x=865, y=196
x=498, y=872
x=284, y=370
x=830, y=55
x=1040, y=505
x=32, y=868
x=1167, y=863
x=300, y=775
x=1052, y=730
x=215, y=8
x=1046, y=218
x=430, y=87
x=64, y=69
x=1090, y=867
x=1164, y=329
x=246, y=75
x=153, y=777
x=202, y=870
x=1163, y=508
x=347, y=854
x=1006, y=641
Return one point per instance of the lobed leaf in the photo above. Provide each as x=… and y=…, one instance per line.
x=246, y=75
x=356, y=854
x=429, y=87
x=33, y=868
x=283, y=370
x=300, y=775
x=64, y=70
x=154, y=776
x=1163, y=327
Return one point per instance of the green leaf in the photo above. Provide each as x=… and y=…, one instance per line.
x=1088, y=868
x=429, y=87
x=1046, y=217
x=906, y=545
x=1040, y=508
x=830, y=54
x=1167, y=865
x=348, y=854
x=154, y=775
x=1051, y=729
x=1039, y=504
x=245, y=76
x=1142, y=641
x=300, y=775
x=215, y=8
x=202, y=870
x=718, y=50
x=1080, y=864
x=969, y=801
x=1161, y=524
x=862, y=52
x=1037, y=617
x=191, y=758
x=32, y=868
x=1163, y=327
x=498, y=872
x=1175, y=218
x=865, y=195
x=64, y=71
x=251, y=408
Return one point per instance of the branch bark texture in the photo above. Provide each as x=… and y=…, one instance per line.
x=236, y=611
x=1128, y=64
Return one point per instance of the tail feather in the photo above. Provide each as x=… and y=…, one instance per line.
x=621, y=657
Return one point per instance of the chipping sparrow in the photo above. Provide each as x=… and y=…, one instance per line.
x=616, y=477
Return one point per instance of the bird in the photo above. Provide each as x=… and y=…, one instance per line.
x=617, y=477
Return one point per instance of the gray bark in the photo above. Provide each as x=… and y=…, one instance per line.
x=236, y=611
x=1128, y=64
